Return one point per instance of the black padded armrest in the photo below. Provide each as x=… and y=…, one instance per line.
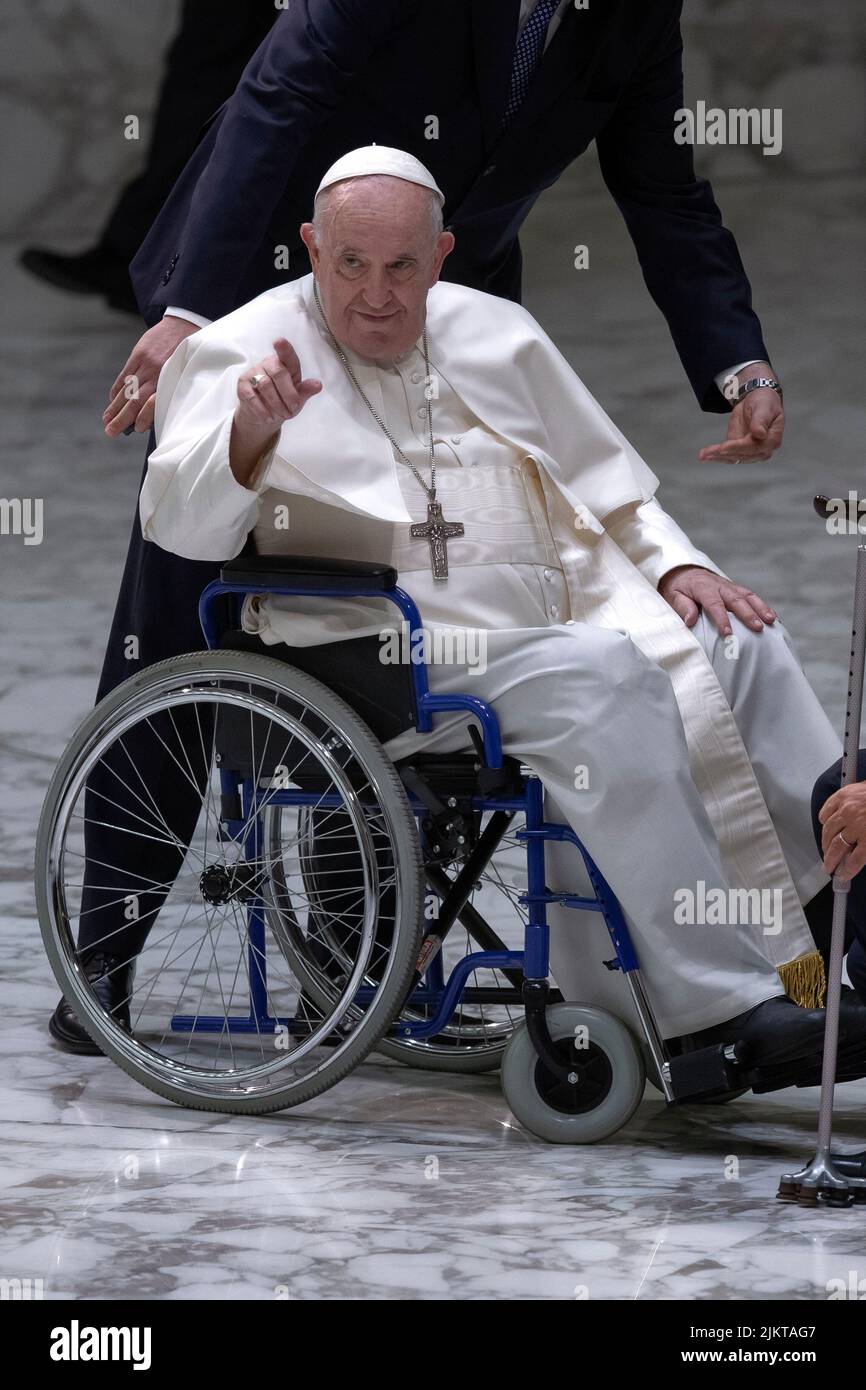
x=319, y=571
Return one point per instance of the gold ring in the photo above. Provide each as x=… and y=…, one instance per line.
x=846, y=842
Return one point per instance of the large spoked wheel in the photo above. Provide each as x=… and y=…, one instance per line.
x=215, y=1016
x=608, y=1072
x=476, y=1036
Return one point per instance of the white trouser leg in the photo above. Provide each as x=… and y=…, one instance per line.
x=789, y=739
x=575, y=697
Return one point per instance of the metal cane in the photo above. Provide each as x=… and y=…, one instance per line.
x=820, y=1181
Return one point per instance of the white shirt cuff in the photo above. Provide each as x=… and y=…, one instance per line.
x=654, y=543
x=187, y=314
x=720, y=379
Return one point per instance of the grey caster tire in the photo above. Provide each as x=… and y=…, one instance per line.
x=608, y=1095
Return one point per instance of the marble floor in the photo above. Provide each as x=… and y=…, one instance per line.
x=108, y=1191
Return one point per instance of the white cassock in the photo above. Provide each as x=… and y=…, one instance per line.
x=680, y=762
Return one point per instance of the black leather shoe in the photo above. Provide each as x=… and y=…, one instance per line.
x=780, y=1031
x=89, y=272
x=851, y=1010
x=310, y=1016
x=851, y=1165
x=851, y=1056
x=111, y=978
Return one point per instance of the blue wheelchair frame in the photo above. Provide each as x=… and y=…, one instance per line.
x=435, y=992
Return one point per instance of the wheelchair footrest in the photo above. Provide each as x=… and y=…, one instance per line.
x=707, y=1072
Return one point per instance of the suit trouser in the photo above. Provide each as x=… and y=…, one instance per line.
x=829, y=782
x=156, y=617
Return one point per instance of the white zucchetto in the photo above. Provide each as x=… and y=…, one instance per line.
x=380, y=159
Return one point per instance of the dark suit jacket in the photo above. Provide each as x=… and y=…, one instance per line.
x=336, y=74
x=203, y=66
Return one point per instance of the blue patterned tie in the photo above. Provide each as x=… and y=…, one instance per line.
x=530, y=47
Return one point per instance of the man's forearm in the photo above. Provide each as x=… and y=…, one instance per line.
x=673, y=220
x=739, y=370
x=246, y=448
x=290, y=89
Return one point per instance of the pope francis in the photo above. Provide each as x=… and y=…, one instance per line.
x=441, y=431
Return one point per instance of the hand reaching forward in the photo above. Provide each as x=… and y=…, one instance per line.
x=755, y=425
x=689, y=588
x=269, y=393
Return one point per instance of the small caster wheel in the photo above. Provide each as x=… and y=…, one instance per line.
x=607, y=1067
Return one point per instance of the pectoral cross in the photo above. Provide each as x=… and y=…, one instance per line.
x=438, y=532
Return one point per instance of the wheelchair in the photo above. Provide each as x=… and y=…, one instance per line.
x=308, y=900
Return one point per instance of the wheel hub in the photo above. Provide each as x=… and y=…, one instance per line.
x=220, y=883
x=589, y=1080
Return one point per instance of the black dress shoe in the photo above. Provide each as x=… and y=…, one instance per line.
x=851, y=1010
x=780, y=1031
x=124, y=300
x=89, y=272
x=851, y=1054
x=851, y=1165
x=111, y=979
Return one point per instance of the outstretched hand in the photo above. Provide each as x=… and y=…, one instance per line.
x=755, y=429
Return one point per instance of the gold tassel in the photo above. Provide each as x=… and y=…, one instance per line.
x=805, y=981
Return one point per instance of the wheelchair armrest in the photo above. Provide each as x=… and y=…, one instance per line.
x=315, y=571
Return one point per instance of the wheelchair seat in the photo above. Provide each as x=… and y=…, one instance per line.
x=324, y=572
x=382, y=695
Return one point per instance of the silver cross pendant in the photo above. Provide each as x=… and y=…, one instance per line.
x=438, y=532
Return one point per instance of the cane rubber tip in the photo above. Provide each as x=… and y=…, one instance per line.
x=837, y=1197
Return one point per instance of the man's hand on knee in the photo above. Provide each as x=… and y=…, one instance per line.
x=689, y=588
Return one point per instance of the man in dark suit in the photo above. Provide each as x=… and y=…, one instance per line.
x=496, y=97
x=207, y=56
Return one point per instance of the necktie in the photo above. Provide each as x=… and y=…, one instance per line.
x=527, y=53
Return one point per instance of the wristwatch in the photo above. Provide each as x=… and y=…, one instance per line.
x=734, y=392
